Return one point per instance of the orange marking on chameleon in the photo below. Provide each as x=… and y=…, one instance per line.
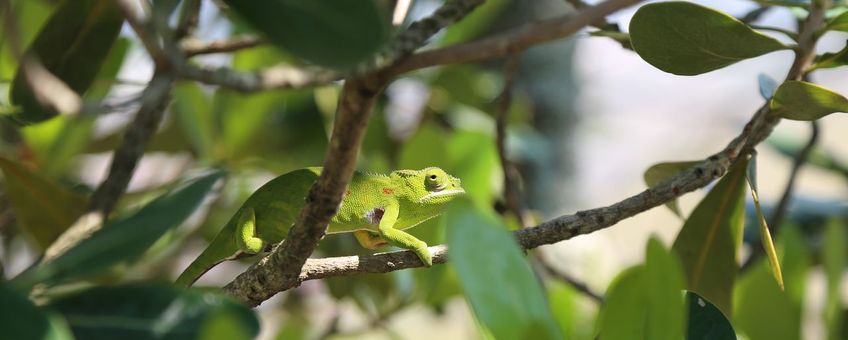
x=388, y=191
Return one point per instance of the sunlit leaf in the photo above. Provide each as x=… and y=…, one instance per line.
x=73, y=46
x=43, y=209
x=765, y=234
x=705, y=321
x=835, y=252
x=762, y=310
x=21, y=319
x=798, y=100
x=141, y=311
x=56, y=142
x=502, y=290
x=688, y=39
x=573, y=311
x=710, y=238
x=475, y=23
x=31, y=16
x=662, y=171
x=337, y=34
x=124, y=239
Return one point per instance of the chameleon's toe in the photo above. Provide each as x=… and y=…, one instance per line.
x=425, y=256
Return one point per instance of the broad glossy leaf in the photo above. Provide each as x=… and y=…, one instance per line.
x=21, y=319
x=705, y=321
x=762, y=310
x=73, y=46
x=645, y=302
x=43, y=208
x=831, y=60
x=834, y=261
x=838, y=23
x=144, y=311
x=765, y=234
x=336, y=34
x=799, y=100
x=687, y=39
x=124, y=239
x=662, y=171
x=502, y=290
x=710, y=238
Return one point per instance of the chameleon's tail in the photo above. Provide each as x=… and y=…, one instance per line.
x=220, y=250
x=194, y=272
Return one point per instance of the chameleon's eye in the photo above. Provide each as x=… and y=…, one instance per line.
x=434, y=182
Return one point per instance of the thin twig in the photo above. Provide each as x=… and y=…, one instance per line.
x=193, y=47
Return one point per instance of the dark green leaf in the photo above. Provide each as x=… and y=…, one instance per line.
x=138, y=311
x=123, y=239
x=710, y=238
x=43, y=209
x=798, y=100
x=21, y=319
x=662, y=171
x=502, y=289
x=831, y=60
x=73, y=46
x=687, y=39
x=476, y=23
x=762, y=310
x=337, y=34
x=765, y=234
x=705, y=320
x=109, y=71
x=834, y=262
x=838, y=23
x=194, y=110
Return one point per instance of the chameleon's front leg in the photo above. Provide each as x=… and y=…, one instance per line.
x=246, y=233
x=400, y=238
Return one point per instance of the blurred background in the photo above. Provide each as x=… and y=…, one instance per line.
x=587, y=118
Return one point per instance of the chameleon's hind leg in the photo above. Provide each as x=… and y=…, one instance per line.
x=370, y=239
x=246, y=237
x=401, y=238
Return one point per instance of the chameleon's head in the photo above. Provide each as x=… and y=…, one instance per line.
x=431, y=185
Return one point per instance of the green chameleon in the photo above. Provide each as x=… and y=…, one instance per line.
x=375, y=208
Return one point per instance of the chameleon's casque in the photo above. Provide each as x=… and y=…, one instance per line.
x=376, y=208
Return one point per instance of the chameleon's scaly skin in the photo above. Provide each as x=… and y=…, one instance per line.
x=375, y=207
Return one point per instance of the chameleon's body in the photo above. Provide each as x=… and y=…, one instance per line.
x=376, y=208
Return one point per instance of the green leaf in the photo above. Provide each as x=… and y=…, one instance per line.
x=31, y=16
x=838, y=23
x=476, y=23
x=798, y=100
x=194, y=110
x=688, y=39
x=765, y=234
x=502, y=289
x=834, y=262
x=73, y=46
x=56, y=142
x=336, y=34
x=124, y=239
x=705, y=320
x=145, y=311
x=573, y=311
x=762, y=310
x=710, y=237
x=795, y=262
x=831, y=60
x=21, y=319
x=109, y=71
x=645, y=302
x=662, y=171
x=44, y=209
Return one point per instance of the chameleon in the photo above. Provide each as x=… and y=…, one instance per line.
x=375, y=208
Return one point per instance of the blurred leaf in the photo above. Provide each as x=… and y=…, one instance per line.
x=194, y=110
x=21, y=319
x=798, y=100
x=645, y=302
x=31, y=15
x=473, y=159
x=475, y=24
x=575, y=314
x=662, y=171
x=109, y=71
x=796, y=263
x=124, y=239
x=765, y=234
x=834, y=262
x=767, y=86
x=58, y=141
x=503, y=291
x=336, y=34
x=705, y=320
x=684, y=38
x=831, y=60
x=144, y=311
x=242, y=116
x=762, y=310
x=425, y=148
x=710, y=237
x=838, y=23
x=72, y=45
x=43, y=209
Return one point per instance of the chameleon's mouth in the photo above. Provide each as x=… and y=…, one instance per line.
x=448, y=193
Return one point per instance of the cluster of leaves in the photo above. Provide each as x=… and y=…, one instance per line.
x=84, y=293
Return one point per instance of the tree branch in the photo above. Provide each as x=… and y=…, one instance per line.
x=193, y=47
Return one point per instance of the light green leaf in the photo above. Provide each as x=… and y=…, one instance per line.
x=573, y=311
x=705, y=320
x=476, y=23
x=56, y=142
x=144, y=311
x=762, y=310
x=44, y=209
x=796, y=261
x=336, y=34
x=765, y=234
x=31, y=16
x=838, y=23
x=662, y=171
x=124, y=239
x=798, y=100
x=73, y=46
x=473, y=157
x=645, y=302
x=21, y=319
x=687, y=39
x=194, y=110
x=711, y=236
x=835, y=252
x=502, y=289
